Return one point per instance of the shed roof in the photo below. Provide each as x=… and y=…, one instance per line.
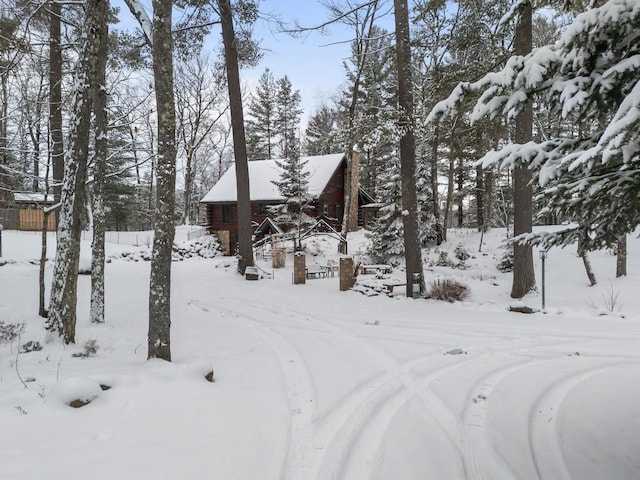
x=32, y=197
x=262, y=174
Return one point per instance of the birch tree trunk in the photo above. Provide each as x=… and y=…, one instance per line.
x=523, y=274
x=96, y=311
x=62, y=308
x=245, y=247
x=412, y=253
x=159, y=338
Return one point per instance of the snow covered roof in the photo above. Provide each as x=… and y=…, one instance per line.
x=30, y=197
x=263, y=173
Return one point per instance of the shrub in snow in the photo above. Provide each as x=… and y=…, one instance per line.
x=505, y=264
x=31, y=346
x=448, y=290
x=461, y=253
x=90, y=349
x=76, y=392
x=10, y=331
x=443, y=260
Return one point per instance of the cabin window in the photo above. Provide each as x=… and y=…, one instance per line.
x=339, y=180
x=339, y=212
x=226, y=213
x=325, y=209
x=263, y=210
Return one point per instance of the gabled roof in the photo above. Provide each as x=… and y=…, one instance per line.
x=263, y=173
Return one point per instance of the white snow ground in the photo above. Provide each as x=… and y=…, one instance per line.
x=313, y=383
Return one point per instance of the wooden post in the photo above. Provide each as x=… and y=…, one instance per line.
x=299, y=273
x=346, y=273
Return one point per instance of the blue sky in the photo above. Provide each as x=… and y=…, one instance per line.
x=313, y=62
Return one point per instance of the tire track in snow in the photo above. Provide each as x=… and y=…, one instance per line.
x=371, y=406
x=299, y=387
x=343, y=441
x=353, y=431
x=544, y=443
x=481, y=461
x=356, y=428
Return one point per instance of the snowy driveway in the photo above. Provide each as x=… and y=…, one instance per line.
x=317, y=384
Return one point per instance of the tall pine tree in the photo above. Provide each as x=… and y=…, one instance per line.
x=261, y=121
x=287, y=119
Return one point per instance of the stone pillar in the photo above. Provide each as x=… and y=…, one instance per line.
x=299, y=273
x=346, y=273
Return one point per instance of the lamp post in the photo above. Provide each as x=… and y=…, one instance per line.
x=543, y=257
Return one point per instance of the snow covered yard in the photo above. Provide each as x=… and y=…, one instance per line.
x=313, y=383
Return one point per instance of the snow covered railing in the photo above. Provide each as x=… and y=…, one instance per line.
x=124, y=238
x=200, y=232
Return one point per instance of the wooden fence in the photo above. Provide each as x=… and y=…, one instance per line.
x=32, y=220
x=25, y=219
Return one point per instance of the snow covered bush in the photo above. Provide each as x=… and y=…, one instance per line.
x=31, y=346
x=203, y=247
x=443, y=260
x=448, y=290
x=90, y=349
x=506, y=261
x=461, y=253
x=10, y=331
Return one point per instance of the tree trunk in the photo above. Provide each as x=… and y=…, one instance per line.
x=488, y=200
x=621, y=257
x=480, y=199
x=352, y=224
x=450, y=187
x=362, y=49
x=62, y=310
x=245, y=248
x=55, y=99
x=42, y=309
x=412, y=253
x=582, y=253
x=435, y=206
x=188, y=186
x=523, y=274
x=159, y=338
x=460, y=182
x=5, y=178
x=96, y=311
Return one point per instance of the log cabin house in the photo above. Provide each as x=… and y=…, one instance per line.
x=326, y=187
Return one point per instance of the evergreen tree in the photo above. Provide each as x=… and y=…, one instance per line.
x=294, y=183
x=321, y=135
x=261, y=121
x=387, y=231
x=591, y=72
x=287, y=118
